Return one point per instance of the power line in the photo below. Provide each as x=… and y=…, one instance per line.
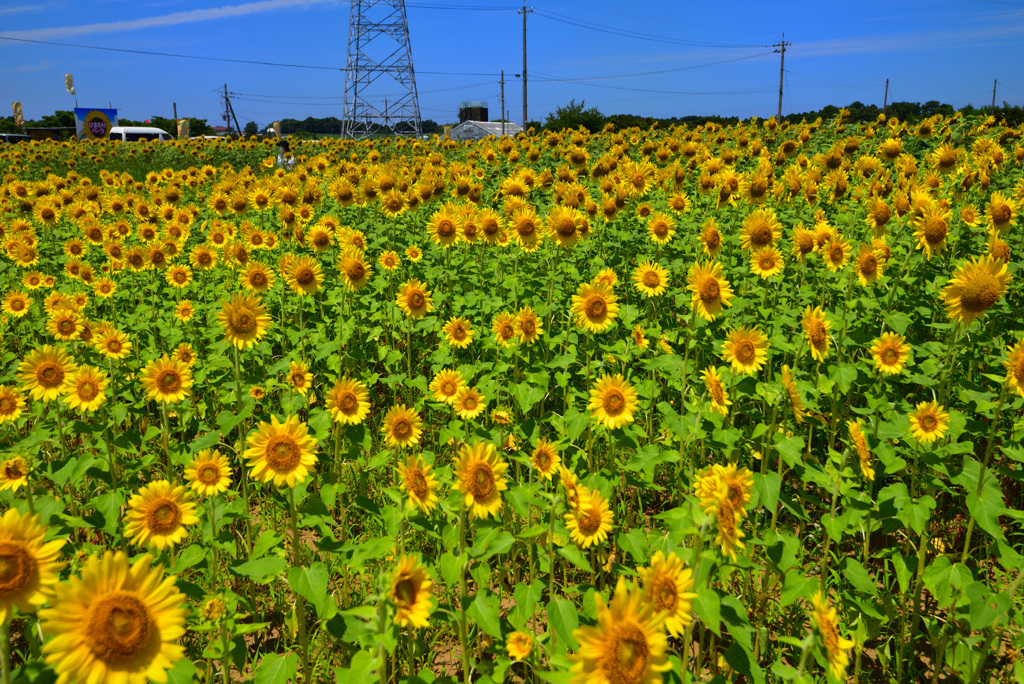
x=550, y=79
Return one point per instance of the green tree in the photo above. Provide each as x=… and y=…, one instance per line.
x=573, y=115
x=251, y=128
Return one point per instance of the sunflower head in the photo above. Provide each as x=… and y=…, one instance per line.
x=480, y=477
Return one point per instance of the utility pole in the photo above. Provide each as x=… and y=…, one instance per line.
x=781, y=48
x=175, y=111
x=885, y=100
x=524, y=12
x=227, y=110
x=502, y=102
x=994, y=83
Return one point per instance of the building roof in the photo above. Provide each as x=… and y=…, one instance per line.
x=474, y=130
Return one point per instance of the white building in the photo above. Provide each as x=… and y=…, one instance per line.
x=477, y=130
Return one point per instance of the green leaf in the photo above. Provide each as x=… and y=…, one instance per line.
x=362, y=668
x=261, y=570
x=635, y=544
x=499, y=544
x=768, y=487
x=311, y=584
x=526, y=598
x=859, y=577
x=796, y=587
x=736, y=621
x=790, y=448
x=451, y=567
x=181, y=672
x=564, y=618
x=276, y=669
x=190, y=556
x=576, y=557
x=204, y=442
x=986, y=510
x=741, y=660
x=484, y=612
x=708, y=607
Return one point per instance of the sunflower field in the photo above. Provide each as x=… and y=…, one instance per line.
x=696, y=404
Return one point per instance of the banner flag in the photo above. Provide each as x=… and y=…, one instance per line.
x=19, y=116
x=69, y=83
x=277, y=128
x=183, y=129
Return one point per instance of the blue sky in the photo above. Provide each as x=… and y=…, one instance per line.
x=705, y=59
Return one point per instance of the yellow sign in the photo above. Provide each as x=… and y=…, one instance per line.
x=97, y=125
x=183, y=126
x=19, y=116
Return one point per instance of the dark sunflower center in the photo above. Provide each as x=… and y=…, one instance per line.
x=590, y=521
x=1017, y=368
x=745, y=352
x=244, y=322
x=405, y=592
x=469, y=403
x=542, y=460
x=348, y=402
x=614, y=403
x=526, y=228
x=767, y=262
x=401, y=429
x=712, y=238
x=597, y=307
x=169, y=381
x=119, y=627
x=890, y=355
x=208, y=474
x=304, y=275
x=665, y=592
x=50, y=375
x=566, y=227
x=934, y=230
x=258, y=279
x=816, y=331
x=709, y=290
x=928, y=422
x=66, y=326
x=980, y=293
x=87, y=390
x=760, y=234
x=715, y=390
x=869, y=264
x=1001, y=213
x=651, y=279
x=17, y=568
x=283, y=454
x=164, y=517
x=836, y=254
x=527, y=326
x=445, y=228
x=417, y=483
x=417, y=301
x=481, y=482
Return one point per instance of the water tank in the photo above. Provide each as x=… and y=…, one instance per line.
x=472, y=110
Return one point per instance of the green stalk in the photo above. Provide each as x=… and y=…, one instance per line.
x=463, y=593
x=300, y=602
x=5, y=651
x=984, y=467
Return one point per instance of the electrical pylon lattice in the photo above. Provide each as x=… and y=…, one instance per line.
x=380, y=84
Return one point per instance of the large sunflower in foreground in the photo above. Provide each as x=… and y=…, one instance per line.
x=628, y=643
x=348, y=401
x=612, y=401
x=166, y=380
x=711, y=292
x=667, y=584
x=115, y=623
x=414, y=299
x=410, y=592
x=480, y=476
x=824, y=617
x=446, y=385
x=43, y=372
x=746, y=349
x=158, y=514
x=760, y=228
x=401, y=427
x=590, y=521
x=595, y=307
x=976, y=287
x=419, y=483
x=244, y=318
x=28, y=564
x=890, y=352
x=281, y=452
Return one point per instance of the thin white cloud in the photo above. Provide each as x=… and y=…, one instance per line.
x=174, y=19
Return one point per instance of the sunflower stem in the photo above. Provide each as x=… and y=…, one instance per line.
x=984, y=467
x=5, y=651
x=300, y=602
x=166, y=441
x=463, y=593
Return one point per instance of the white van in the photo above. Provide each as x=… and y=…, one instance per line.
x=133, y=133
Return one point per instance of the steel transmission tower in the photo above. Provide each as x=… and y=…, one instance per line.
x=380, y=85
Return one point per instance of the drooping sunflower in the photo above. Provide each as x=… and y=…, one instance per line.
x=355, y=270
x=716, y=391
x=667, y=584
x=115, y=623
x=595, y=307
x=628, y=643
x=612, y=401
x=402, y=427
x=43, y=372
x=458, y=332
x=760, y=228
x=504, y=328
x=157, y=516
x=766, y=262
x=590, y=521
x=12, y=404
x=975, y=287
x=414, y=299
x=281, y=452
x=545, y=458
x=16, y=304
x=824, y=618
x=932, y=228
x=29, y=568
x=869, y=266
x=639, y=336
x=348, y=402
x=83, y=389
x=650, y=278
x=711, y=238
x=816, y=327
x=746, y=349
x=928, y=422
x=209, y=472
x=244, y=318
x=860, y=445
x=890, y=352
x=446, y=385
x=13, y=473
x=1014, y=365
x=410, y=592
x=480, y=477
x=166, y=380
x=469, y=403
x=711, y=292
x=419, y=483
x=299, y=377
x=796, y=402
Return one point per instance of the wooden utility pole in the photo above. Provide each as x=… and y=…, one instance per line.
x=781, y=48
x=175, y=111
x=885, y=100
x=227, y=109
x=994, y=83
x=502, y=111
x=524, y=12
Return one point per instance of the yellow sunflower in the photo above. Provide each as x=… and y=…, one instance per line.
x=890, y=352
x=760, y=228
x=12, y=404
x=528, y=325
x=824, y=618
x=419, y=483
x=480, y=477
x=526, y=227
x=746, y=349
x=667, y=584
x=595, y=307
x=355, y=271
x=545, y=458
x=115, y=623
x=83, y=389
x=661, y=227
x=389, y=260
x=113, y=344
x=13, y=473
x=612, y=401
x=158, y=514
x=244, y=318
x=816, y=327
x=590, y=521
x=43, y=372
x=796, y=402
x=458, y=332
x=928, y=422
x=304, y=275
x=184, y=311
x=209, y=472
x=257, y=277
x=504, y=328
x=410, y=592
x=1001, y=213
x=402, y=427
x=414, y=299
x=766, y=262
x=628, y=643
x=869, y=266
x=519, y=645
x=716, y=391
x=836, y=253
x=975, y=287
x=650, y=278
x=860, y=445
x=469, y=403
x=299, y=377
x=932, y=228
x=446, y=385
x=443, y=226
x=166, y=380
x=711, y=292
x=1014, y=365
x=281, y=452
x=29, y=569
x=348, y=401
x=16, y=304
x=65, y=324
